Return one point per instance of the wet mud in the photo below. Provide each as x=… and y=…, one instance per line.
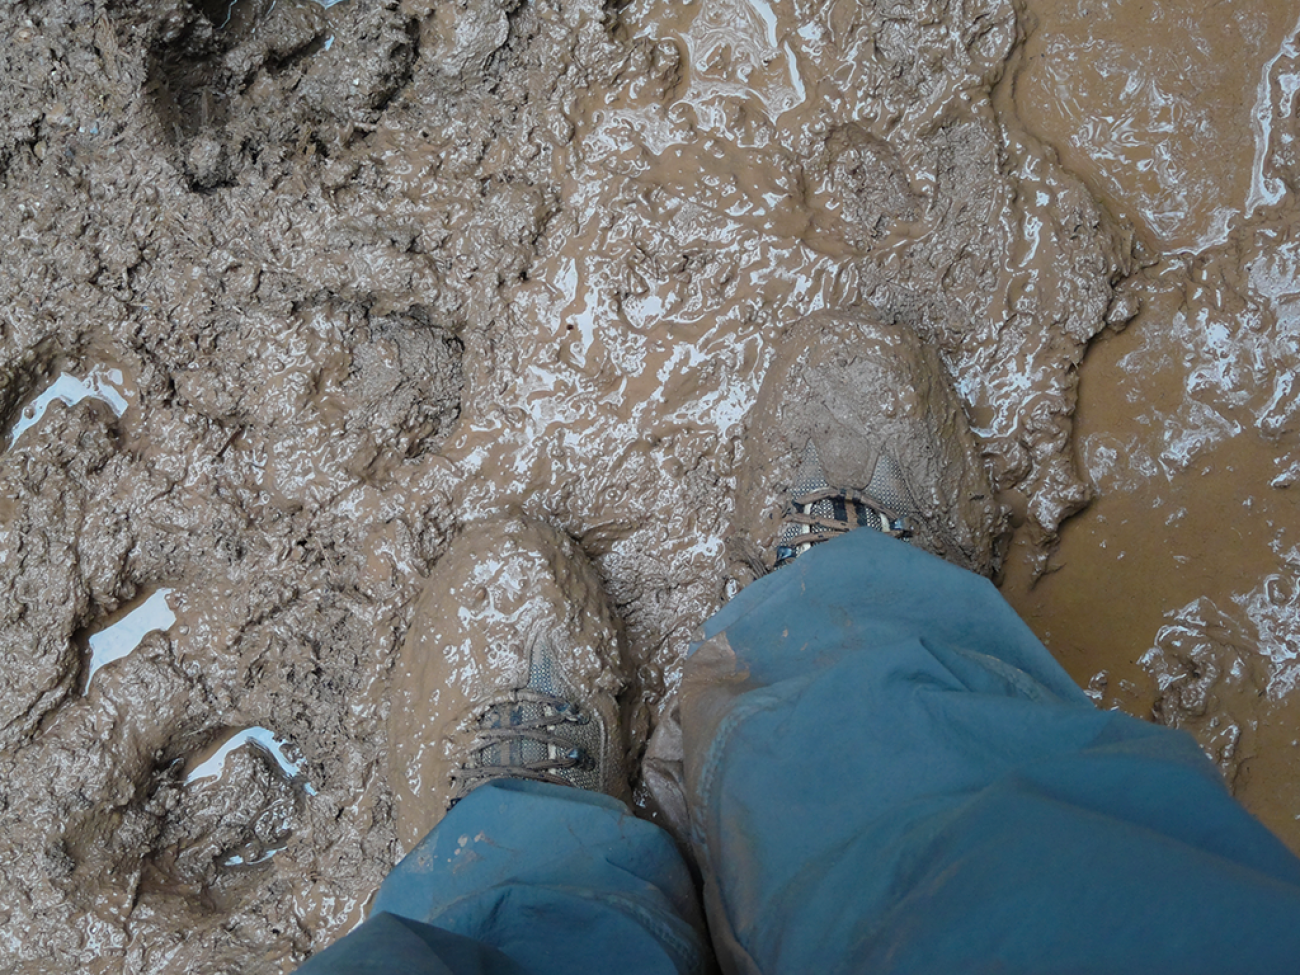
x=1173, y=595
x=293, y=292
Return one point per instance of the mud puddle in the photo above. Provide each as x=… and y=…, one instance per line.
x=376, y=269
x=1173, y=595
x=118, y=637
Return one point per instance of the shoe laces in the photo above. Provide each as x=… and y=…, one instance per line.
x=818, y=512
x=521, y=734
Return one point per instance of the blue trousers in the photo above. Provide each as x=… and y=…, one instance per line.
x=885, y=771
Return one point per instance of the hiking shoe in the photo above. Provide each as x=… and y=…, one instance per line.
x=510, y=669
x=856, y=426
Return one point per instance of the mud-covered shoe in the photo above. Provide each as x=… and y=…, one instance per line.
x=856, y=426
x=510, y=669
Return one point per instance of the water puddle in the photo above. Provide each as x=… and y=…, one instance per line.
x=118, y=639
x=101, y=383
x=284, y=753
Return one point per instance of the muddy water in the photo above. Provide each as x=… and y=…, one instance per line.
x=1174, y=595
x=364, y=273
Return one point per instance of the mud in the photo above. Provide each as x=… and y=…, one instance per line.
x=360, y=275
x=1173, y=595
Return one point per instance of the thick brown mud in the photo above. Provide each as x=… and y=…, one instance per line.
x=1174, y=595
x=290, y=293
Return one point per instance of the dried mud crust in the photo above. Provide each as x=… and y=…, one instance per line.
x=335, y=256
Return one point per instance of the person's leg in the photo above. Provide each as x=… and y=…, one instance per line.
x=537, y=878
x=887, y=772
x=388, y=944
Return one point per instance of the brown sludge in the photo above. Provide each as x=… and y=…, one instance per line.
x=290, y=293
x=1176, y=594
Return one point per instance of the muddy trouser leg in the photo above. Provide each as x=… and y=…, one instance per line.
x=887, y=772
x=526, y=877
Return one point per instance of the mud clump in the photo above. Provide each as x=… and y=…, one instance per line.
x=367, y=273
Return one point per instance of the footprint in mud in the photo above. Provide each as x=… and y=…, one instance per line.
x=62, y=425
x=45, y=376
x=238, y=796
x=866, y=186
x=238, y=805
x=254, y=756
x=195, y=76
x=231, y=79
x=143, y=806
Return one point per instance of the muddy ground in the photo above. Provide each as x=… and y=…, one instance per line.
x=289, y=293
x=1176, y=594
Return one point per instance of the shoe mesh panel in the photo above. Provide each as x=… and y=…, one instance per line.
x=888, y=488
x=808, y=478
